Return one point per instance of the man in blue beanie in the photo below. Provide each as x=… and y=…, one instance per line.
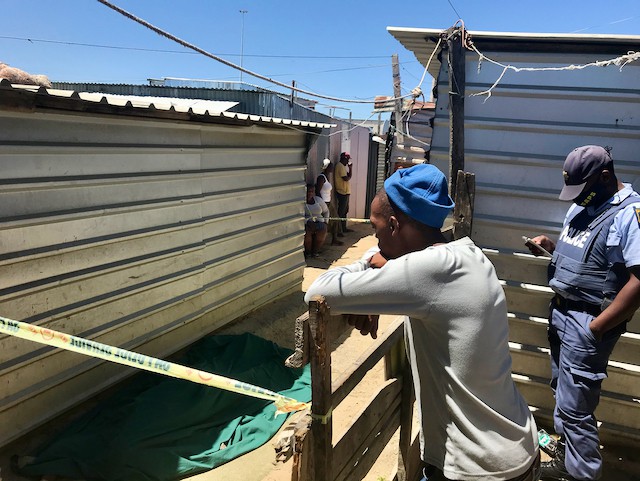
x=474, y=423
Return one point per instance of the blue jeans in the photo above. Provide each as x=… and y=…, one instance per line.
x=578, y=366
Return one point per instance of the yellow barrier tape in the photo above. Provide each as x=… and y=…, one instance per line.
x=43, y=335
x=323, y=418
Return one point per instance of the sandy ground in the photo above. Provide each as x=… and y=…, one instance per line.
x=275, y=322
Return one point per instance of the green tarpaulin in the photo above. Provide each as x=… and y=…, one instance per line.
x=160, y=428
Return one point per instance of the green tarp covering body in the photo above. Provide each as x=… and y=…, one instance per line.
x=160, y=428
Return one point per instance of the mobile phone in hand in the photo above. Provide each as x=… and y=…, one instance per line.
x=529, y=241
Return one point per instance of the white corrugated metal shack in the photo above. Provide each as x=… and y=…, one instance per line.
x=139, y=223
x=515, y=142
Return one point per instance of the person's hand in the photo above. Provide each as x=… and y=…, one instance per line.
x=365, y=323
x=596, y=330
x=377, y=260
x=544, y=242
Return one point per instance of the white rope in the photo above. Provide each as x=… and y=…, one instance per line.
x=414, y=138
x=621, y=62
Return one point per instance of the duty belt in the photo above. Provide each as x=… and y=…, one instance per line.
x=580, y=306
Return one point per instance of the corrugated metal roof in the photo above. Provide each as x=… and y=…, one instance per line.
x=155, y=105
x=260, y=102
x=204, y=83
x=422, y=41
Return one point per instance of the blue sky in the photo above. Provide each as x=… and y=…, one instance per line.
x=337, y=48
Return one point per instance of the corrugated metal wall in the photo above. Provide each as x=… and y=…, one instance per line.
x=138, y=233
x=515, y=143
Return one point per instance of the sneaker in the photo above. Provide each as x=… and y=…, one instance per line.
x=340, y=234
x=337, y=243
x=315, y=254
x=555, y=469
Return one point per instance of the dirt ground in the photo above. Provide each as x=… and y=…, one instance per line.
x=276, y=322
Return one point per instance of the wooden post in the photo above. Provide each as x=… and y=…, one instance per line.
x=456, y=56
x=464, y=199
x=397, y=93
x=321, y=406
x=406, y=424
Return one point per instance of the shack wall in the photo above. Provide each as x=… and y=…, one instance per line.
x=516, y=141
x=140, y=233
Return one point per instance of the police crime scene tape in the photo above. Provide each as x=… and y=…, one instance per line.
x=352, y=219
x=61, y=340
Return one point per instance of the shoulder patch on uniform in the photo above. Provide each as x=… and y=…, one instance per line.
x=637, y=209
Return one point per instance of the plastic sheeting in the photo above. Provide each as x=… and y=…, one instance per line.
x=159, y=428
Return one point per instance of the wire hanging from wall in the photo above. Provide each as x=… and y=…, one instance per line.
x=620, y=61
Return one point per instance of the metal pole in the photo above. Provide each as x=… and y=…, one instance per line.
x=242, y=42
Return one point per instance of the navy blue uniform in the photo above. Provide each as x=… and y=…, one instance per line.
x=589, y=267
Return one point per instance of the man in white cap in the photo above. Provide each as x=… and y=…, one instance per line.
x=474, y=423
x=595, y=273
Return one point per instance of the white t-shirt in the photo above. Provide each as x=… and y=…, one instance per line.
x=318, y=211
x=325, y=191
x=475, y=424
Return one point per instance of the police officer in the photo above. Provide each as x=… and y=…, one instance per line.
x=595, y=274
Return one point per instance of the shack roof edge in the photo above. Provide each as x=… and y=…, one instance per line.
x=32, y=96
x=569, y=37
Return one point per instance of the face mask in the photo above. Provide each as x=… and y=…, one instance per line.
x=595, y=196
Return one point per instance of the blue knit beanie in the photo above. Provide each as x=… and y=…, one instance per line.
x=420, y=192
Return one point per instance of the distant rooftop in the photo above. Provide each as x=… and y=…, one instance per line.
x=248, y=99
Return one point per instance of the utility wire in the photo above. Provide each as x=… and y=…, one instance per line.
x=330, y=71
x=226, y=62
x=454, y=9
x=606, y=24
x=115, y=47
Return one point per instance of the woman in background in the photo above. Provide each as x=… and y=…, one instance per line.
x=324, y=189
x=316, y=215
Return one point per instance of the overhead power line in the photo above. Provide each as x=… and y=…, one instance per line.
x=606, y=24
x=302, y=57
x=222, y=60
x=183, y=52
x=454, y=9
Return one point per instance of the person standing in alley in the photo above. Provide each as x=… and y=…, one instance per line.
x=595, y=274
x=342, y=176
x=324, y=190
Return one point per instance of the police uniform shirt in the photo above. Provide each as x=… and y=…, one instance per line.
x=623, y=240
